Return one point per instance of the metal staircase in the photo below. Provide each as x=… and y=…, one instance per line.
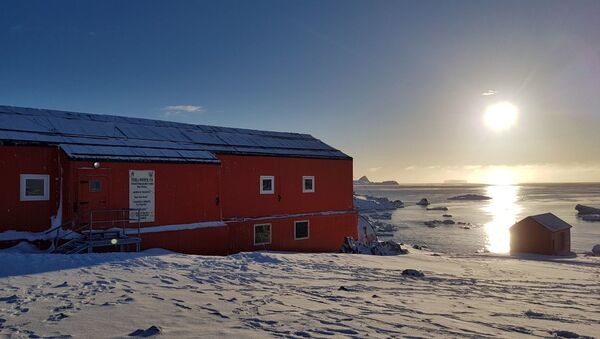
x=104, y=229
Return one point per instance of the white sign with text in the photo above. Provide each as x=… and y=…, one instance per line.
x=141, y=195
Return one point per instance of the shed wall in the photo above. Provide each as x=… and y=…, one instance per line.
x=528, y=236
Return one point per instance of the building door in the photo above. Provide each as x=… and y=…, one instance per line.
x=93, y=193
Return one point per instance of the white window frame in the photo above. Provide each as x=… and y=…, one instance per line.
x=308, y=233
x=23, y=188
x=267, y=177
x=311, y=177
x=270, y=234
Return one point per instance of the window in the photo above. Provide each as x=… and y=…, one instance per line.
x=35, y=187
x=267, y=184
x=95, y=186
x=308, y=184
x=262, y=234
x=301, y=230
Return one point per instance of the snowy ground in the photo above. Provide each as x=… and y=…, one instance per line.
x=296, y=295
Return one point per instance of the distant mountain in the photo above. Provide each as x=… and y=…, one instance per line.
x=365, y=181
x=362, y=181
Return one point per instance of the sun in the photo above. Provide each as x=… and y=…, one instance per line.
x=500, y=116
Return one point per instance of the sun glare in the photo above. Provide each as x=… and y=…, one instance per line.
x=500, y=116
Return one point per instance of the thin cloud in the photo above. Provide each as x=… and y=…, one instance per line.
x=489, y=92
x=181, y=110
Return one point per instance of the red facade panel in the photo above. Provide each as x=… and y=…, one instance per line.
x=33, y=216
x=192, y=193
x=326, y=233
x=240, y=182
x=184, y=193
x=207, y=241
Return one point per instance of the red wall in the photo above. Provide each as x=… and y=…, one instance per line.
x=327, y=233
x=33, y=216
x=184, y=193
x=187, y=193
x=240, y=184
x=207, y=241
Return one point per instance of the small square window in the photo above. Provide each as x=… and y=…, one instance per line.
x=35, y=187
x=262, y=234
x=95, y=186
x=308, y=184
x=301, y=230
x=267, y=184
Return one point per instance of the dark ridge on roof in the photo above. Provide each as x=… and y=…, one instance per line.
x=90, y=136
x=550, y=221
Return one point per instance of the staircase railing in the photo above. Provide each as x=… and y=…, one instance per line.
x=99, y=221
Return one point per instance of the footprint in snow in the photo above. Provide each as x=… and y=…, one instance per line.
x=57, y=317
x=10, y=299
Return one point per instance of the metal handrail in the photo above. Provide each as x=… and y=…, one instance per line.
x=89, y=226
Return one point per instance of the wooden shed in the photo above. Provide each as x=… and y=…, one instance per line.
x=541, y=234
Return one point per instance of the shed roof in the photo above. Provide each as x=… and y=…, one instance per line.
x=551, y=222
x=94, y=136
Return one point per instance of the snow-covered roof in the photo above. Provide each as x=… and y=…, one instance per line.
x=551, y=222
x=94, y=136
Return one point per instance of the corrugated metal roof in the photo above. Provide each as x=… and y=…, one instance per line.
x=95, y=136
x=551, y=222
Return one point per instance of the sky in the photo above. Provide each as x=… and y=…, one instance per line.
x=397, y=85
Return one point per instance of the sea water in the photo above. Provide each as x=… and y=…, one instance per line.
x=490, y=219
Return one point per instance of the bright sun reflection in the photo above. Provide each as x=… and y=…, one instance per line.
x=504, y=209
x=500, y=116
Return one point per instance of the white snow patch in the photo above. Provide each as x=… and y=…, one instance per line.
x=250, y=295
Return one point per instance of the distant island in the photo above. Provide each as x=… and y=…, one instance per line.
x=455, y=181
x=365, y=181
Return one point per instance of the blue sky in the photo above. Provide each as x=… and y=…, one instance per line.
x=395, y=84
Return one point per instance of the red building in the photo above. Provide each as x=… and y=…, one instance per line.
x=197, y=189
x=541, y=234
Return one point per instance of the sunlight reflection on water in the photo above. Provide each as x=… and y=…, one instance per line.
x=504, y=209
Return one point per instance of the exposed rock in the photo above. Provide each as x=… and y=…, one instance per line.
x=470, y=197
x=366, y=203
x=439, y=208
x=447, y=215
x=566, y=334
x=448, y=222
x=585, y=210
x=388, y=247
x=149, y=332
x=423, y=202
x=342, y=288
x=590, y=217
x=381, y=216
x=419, y=247
x=412, y=273
x=432, y=223
x=596, y=250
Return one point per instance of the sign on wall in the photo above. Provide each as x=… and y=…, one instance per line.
x=141, y=195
